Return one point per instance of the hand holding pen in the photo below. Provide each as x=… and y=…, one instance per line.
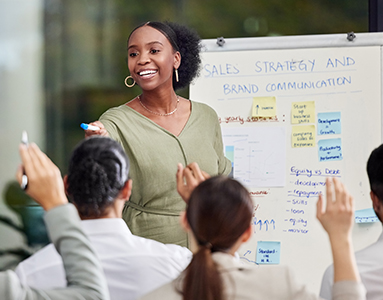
x=44, y=182
x=24, y=178
x=94, y=128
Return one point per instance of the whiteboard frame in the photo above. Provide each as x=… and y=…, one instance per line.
x=302, y=42
x=294, y=42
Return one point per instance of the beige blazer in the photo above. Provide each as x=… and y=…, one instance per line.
x=243, y=281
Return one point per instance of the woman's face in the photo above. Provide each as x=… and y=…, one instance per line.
x=151, y=58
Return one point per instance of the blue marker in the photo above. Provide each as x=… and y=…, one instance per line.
x=89, y=127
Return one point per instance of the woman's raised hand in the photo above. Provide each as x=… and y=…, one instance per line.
x=45, y=184
x=102, y=131
x=188, y=178
x=337, y=217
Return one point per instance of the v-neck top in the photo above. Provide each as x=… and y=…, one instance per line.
x=154, y=206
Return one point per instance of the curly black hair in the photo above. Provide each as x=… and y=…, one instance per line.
x=188, y=43
x=98, y=170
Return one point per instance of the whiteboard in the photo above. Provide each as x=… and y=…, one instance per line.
x=329, y=77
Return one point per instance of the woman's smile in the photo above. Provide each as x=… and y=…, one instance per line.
x=147, y=74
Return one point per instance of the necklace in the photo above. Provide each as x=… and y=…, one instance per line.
x=156, y=113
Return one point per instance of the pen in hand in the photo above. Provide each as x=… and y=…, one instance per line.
x=89, y=127
x=24, y=178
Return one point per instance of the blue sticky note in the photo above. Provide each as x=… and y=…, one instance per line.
x=330, y=150
x=229, y=152
x=268, y=252
x=329, y=123
x=365, y=216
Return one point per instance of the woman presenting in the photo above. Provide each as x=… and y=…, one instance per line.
x=159, y=129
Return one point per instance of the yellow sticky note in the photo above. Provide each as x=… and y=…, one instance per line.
x=264, y=107
x=303, y=112
x=303, y=136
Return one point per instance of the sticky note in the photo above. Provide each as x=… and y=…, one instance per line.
x=303, y=136
x=264, y=107
x=229, y=152
x=329, y=123
x=365, y=216
x=329, y=150
x=268, y=252
x=303, y=112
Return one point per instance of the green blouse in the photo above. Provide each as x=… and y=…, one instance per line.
x=154, y=207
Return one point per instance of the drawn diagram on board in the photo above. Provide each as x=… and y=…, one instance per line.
x=258, y=155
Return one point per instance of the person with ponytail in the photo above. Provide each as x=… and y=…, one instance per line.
x=159, y=129
x=218, y=218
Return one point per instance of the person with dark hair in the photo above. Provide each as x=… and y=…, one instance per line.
x=218, y=217
x=82, y=268
x=370, y=259
x=159, y=129
x=97, y=175
x=98, y=185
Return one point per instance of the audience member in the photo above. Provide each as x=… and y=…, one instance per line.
x=218, y=217
x=370, y=259
x=97, y=184
x=83, y=270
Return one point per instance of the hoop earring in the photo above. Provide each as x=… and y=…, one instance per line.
x=176, y=71
x=126, y=82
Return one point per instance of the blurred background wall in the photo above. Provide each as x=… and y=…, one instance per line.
x=63, y=62
x=21, y=96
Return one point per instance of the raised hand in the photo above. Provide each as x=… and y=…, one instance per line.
x=337, y=216
x=337, y=219
x=188, y=178
x=45, y=184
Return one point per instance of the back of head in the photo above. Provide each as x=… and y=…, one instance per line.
x=375, y=172
x=219, y=212
x=188, y=43
x=98, y=170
